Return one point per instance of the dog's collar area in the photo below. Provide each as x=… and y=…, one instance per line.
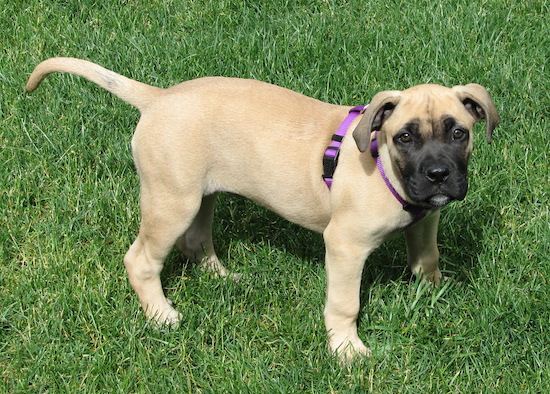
x=330, y=161
x=416, y=210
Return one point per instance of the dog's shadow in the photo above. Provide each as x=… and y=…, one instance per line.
x=236, y=219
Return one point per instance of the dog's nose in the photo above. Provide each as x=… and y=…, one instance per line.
x=437, y=174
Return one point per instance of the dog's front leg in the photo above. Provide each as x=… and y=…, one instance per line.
x=422, y=251
x=345, y=258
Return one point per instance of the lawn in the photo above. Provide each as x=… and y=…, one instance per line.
x=69, y=320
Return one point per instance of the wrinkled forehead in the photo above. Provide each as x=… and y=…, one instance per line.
x=428, y=105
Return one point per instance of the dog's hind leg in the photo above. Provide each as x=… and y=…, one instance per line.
x=196, y=243
x=163, y=221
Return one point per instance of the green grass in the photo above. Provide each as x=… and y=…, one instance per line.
x=69, y=321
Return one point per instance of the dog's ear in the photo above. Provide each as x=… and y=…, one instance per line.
x=477, y=101
x=379, y=109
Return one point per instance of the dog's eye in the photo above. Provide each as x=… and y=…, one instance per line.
x=405, y=138
x=459, y=134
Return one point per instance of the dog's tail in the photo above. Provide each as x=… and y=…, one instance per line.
x=134, y=93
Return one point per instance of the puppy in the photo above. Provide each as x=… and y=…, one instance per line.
x=407, y=158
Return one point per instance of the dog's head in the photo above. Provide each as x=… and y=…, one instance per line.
x=428, y=132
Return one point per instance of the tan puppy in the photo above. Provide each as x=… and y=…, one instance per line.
x=266, y=143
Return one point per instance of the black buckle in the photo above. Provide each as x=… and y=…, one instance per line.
x=330, y=163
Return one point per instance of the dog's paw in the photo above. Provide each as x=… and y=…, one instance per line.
x=165, y=317
x=212, y=266
x=349, y=350
x=434, y=278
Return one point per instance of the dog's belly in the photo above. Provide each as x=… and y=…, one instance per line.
x=304, y=202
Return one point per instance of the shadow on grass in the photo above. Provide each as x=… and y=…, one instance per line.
x=460, y=240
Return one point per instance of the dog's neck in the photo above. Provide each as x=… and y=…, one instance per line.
x=330, y=160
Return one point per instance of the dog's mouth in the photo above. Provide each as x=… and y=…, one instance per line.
x=439, y=200
x=437, y=196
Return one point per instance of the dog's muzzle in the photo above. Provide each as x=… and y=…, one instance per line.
x=437, y=185
x=436, y=177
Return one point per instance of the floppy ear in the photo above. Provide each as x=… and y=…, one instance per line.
x=377, y=112
x=477, y=101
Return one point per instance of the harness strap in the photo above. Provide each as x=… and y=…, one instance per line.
x=330, y=159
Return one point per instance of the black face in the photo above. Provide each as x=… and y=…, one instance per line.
x=433, y=160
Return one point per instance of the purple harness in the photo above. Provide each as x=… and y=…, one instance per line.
x=330, y=160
